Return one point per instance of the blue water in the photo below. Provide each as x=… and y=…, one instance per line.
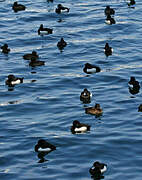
x=46, y=107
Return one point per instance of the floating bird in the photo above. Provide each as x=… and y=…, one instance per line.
x=140, y=108
x=98, y=169
x=79, y=127
x=86, y=96
x=108, y=50
x=44, y=31
x=134, y=86
x=44, y=146
x=109, y=11
x=61, y=44
x=110, y=20
x=89, y=68
x=12, y=80
x=132, y=2
x=18, y=7
x=96, y=110
x=5, y=49
x=30, y=56
x=60, y=8
x=34, y=62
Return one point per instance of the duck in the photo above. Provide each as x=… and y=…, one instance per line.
x=44, y=146
x=44, y=31
x=34, y=62
x=12, y=80
x=110, y=20
x=85, y=96
x=140, y=108
x=60, y=8
x=134, y=85
x=132, y=2
x=5, y=49
x=18, y=7
x=29, y=56
x=109, y=11
x=96, y=110
x=89, y=68
x=61, y=44
x=78, y=127
x=108, y=50
x=98, y=169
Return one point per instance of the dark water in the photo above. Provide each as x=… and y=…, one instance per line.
x=46, y=108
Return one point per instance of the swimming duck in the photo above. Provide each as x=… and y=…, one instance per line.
x=132, y=2
x=85, y=96
x=96, y=110
x=98, y=169
x=18, y=7
x=79, y=127
x=109, y=11
x=140, y=108
x=61, y=44
x=12, y=80
x=29, y=56
x=34, y=62
x=44, y=146
x=5, y=49
x=110, y=20
x=89, y=68
x=108, y=50
x=44, y=31
x=134, y=86
x=60, y=8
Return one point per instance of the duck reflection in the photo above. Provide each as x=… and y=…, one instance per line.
x=41, y=155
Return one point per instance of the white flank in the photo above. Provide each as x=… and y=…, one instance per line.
x=16, y=82
x=43, y=32
x=91, y=94
x=107, y=22
x=91, y=70
x=82, y=129
x=130, y=86
x=92, y=167
x=104, y=169
x=44, y=149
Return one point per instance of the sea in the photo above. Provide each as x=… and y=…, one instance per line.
x=45, y=105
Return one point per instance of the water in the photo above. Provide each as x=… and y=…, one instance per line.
x=47, y=103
